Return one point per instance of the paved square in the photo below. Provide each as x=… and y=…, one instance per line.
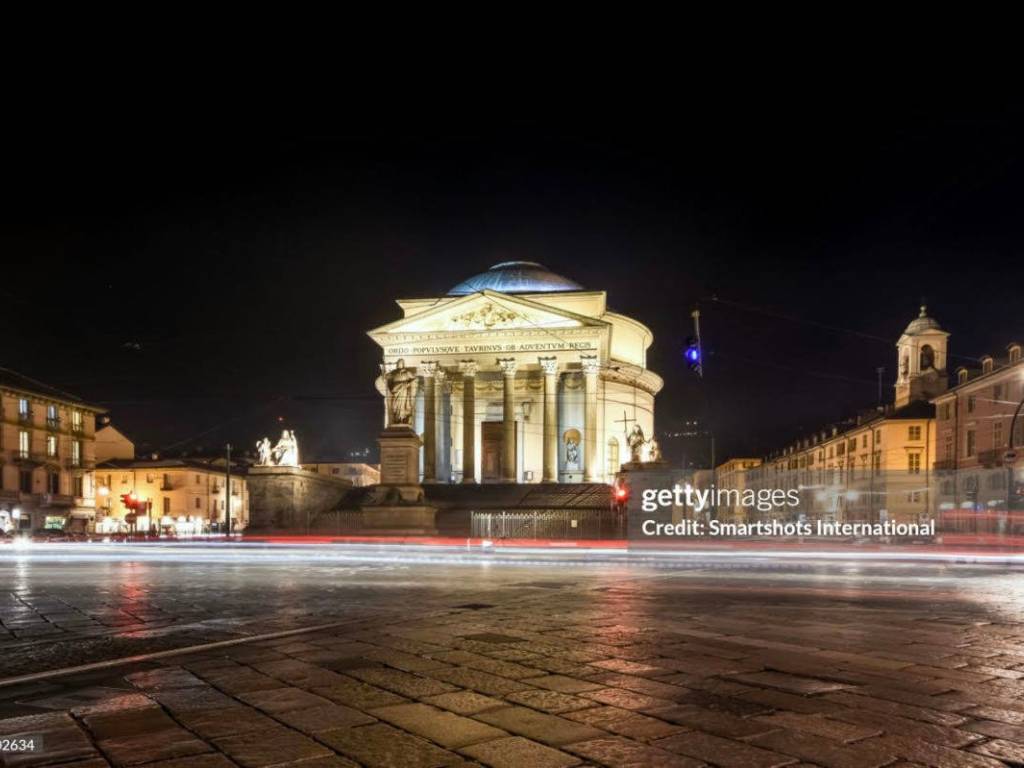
x=435, y=665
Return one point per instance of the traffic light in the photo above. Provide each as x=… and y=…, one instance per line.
x=692, y=354
x=128, y=499
x=620, y=493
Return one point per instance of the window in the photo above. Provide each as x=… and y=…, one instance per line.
x=612, y=457
x=947, y=449
x=946, y=411
x=76, y=453
x=53, y=482
x=23, y=444
x=52, y=420
x=51, y=445
x=199, y=503
x=76, y=421
x=914, y=433
x=24, y=414
x=167, y=505
x=961, y=376
x=997, y=391
x=1014, y=354
x=877, y=458
x=841, y=449
x=997, y=435
x=25, y=481
x=972, y=402
x=914, y=463
x=971, y=448
x=853, y=444
x=198, y=480
x=986, y=365
x=878, y=436
x=79, y=485
x=864, y=441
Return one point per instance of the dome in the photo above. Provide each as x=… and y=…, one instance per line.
x=922, y=323
x=516, y=277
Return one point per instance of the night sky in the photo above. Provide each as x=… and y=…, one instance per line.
x=203, y=289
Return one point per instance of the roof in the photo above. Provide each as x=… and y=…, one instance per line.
x=170, y=463
x=20, y=382
x=516, y=277
x=922, y=323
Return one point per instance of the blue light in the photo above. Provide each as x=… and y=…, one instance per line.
x=692, y=354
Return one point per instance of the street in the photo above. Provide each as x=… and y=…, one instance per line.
x=431, y=657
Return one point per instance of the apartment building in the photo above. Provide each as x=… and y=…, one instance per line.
x=47, y=456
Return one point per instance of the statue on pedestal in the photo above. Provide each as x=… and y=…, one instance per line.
x=263, y=453
x=401, y=384
x=635, y=441
x=286, y=452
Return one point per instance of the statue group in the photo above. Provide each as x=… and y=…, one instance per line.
x=284, y=454
x=636, y=442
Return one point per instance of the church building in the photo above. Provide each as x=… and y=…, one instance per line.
x=524, y=377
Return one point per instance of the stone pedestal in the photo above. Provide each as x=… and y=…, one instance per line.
x=289, y=498
x=396, y=505
x=400, y=462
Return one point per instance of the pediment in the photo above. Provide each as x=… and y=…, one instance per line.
x=487, y=311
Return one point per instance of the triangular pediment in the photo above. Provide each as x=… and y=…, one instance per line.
x=487, y=311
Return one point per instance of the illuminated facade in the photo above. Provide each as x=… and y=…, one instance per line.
x=973, y=431
x=356, y=473
x=47, y=456
x=524, y=376
x=879, y=465
x=186, y=496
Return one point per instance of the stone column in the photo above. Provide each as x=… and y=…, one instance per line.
x=468, y=370
x=429, y=371
x=508, y=416
x=549, y=365
x=590, y=371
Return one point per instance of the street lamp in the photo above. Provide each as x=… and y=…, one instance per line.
x=1011, y=454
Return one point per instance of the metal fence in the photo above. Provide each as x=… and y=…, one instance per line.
x=549, y=524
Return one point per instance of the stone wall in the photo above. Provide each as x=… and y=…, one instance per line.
x=289, y=499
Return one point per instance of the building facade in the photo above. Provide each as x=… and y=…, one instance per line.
x=356, y=473
x=524, y=376
x=733, y=474
x=47, y=456
x=973, y=434
x=876, y=466
x=185, y=496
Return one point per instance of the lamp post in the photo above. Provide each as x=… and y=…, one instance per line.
x=1010, y=452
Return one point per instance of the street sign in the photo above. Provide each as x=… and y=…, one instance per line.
x=1010, y=458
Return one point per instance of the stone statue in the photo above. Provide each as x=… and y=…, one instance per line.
x=263, y=453
x=653, y=449
x=401, y=383
x=286, y=452
x=572, y=454
x=635, y=441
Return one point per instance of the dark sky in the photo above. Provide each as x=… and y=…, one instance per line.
x=247, y=270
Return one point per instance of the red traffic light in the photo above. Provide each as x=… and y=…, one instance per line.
x=621, y=493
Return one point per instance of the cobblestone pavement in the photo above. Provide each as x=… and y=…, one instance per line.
x=538, y=662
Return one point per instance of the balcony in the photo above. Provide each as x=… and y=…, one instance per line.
x=57, y=500
x=31, y=458
x=79, y=464
x=78, y=428
x=991, y=458
x=25, y=417
x=53, y=423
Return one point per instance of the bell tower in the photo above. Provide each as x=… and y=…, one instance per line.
x=921, y=360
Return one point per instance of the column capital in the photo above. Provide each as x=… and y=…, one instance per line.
x=590, y=364
x=508, y=365
x=468, y=367
x=549, y=365
x=428, y=368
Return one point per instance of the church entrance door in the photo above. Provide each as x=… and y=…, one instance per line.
x=492, y=439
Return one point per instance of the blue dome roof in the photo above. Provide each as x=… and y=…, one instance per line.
x=516, y=277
